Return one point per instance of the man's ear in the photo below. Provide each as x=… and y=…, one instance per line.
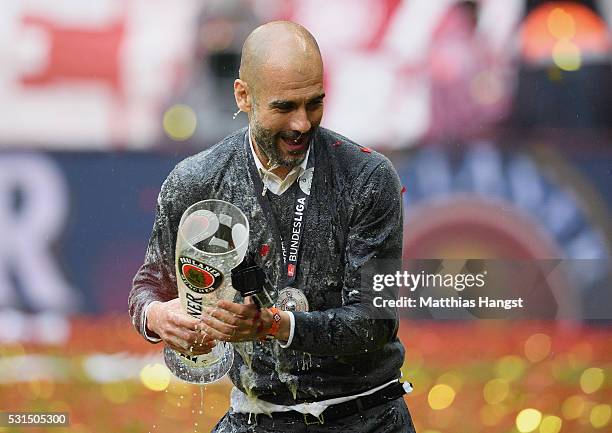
x=242, y=94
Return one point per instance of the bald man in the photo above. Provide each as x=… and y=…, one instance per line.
x=322, y=211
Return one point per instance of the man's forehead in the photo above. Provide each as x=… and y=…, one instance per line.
x=279, y=92
x=288, y=82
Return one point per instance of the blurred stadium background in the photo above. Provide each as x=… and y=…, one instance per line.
x=496, y=113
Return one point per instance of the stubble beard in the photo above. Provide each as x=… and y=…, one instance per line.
x=269, y=144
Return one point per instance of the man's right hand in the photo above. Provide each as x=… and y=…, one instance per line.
x=177, y=329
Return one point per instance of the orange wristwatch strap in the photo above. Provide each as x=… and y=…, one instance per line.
x=276, y=319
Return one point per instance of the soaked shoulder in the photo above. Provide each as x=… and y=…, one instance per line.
x=213, y=161
x=352, y=159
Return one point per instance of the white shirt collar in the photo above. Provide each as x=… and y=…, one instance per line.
x=273, y=182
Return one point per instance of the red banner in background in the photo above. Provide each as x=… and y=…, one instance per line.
x=92, y=75
x=400, y=74
x=102, y=77
x=78, y=54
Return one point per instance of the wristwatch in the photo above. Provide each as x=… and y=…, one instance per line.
x=276, y=319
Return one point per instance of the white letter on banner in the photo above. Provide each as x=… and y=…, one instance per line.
x=28, y=231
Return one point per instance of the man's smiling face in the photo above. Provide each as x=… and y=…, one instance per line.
x=288, y=107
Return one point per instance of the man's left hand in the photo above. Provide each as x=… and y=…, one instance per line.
x=237, y=322
x=242, y=322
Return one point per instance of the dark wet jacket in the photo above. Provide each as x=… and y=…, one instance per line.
x=343, y=345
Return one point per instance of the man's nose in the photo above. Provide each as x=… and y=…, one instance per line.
x=300, y=121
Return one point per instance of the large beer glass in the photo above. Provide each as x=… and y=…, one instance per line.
x=212, y=239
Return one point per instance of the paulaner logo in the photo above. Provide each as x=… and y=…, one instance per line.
x=198, y=276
